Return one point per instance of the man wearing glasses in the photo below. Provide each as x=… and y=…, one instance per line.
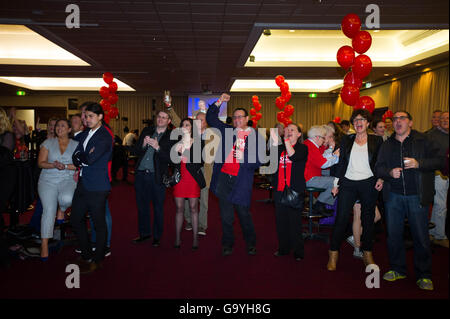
x=153, y=151
x=406, y=162
x=233, y=171
x=313, y=169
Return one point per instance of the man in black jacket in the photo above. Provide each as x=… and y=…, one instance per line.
x=406, y=162
x=153, y=151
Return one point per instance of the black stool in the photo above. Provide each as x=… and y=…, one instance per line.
x=310, y=235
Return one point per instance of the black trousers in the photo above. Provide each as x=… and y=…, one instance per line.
x=224, y=186
x=94, y=203
x=289, y=228
x=349, y=192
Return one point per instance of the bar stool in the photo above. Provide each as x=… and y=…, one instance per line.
x=310, y=235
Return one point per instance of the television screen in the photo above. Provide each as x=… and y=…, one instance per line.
x=196, y=105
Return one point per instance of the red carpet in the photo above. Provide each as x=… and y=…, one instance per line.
x=144, y=272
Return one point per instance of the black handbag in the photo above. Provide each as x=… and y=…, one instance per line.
x=289, y=197
x=170, y=180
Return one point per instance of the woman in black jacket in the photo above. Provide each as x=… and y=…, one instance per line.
x=357, y=180
x=292, y=157
x=191, y=182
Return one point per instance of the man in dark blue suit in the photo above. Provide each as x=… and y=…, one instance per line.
x=92, y=155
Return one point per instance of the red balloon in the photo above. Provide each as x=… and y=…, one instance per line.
x=279, y=102
x=106, y=105
x=279, y=79
x=108, y=77
x=104, y=92
x=362, y=66
x=258, y=116
x=350, y=25
x=254, y=97
x=113, y=87
x=289, y=110
x=258, y=107
x=255, y=123
x=106, y=118
x=345, y=56
x=362, y=42
x=365, y=103
x=280, y=117
x=284, y=88
x=113, y=112
x=337, y=120
x=286, y=122
x=287, y=96
x=351, y=79
x=252, y=112
x=350, y=94
x=113, y=98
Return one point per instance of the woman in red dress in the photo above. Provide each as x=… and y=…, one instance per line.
x=191, y=182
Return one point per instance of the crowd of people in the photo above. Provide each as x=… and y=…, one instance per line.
x=369, y=168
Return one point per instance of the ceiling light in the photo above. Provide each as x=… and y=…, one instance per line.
x=61, y=84
x=376, y=30
x=317, y=48
x=417, y=64
x=23, y=46
x=311, y=86
x=386, y=74
x=291, y=31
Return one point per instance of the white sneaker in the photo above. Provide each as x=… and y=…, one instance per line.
x=351, y=241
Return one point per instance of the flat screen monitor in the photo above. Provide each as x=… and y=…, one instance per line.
x=194, y=108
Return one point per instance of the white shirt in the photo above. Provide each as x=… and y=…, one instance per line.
x=358, y=166
x=86, y=141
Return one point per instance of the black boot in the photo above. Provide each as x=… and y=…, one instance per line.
x=320, y=208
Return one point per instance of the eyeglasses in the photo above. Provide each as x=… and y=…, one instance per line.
x=359, y=119
x=238, y=117
x=395, y=118
x=163, y=117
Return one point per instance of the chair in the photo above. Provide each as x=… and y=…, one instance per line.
x=310, y=235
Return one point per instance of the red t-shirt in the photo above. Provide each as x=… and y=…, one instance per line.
x=284, y=161
x=231, y=165
x=315, y=160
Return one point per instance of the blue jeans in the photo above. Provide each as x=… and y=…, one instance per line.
x=148, y=191
x=108, y=227
x=398, y=207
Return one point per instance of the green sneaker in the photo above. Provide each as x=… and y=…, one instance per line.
x=392, y=275
x=425, y=284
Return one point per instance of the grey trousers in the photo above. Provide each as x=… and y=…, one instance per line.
x=203, y=213
x=326, y=182
x=53, y=194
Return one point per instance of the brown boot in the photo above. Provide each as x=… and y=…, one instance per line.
x=368, y=258
x=333, y=257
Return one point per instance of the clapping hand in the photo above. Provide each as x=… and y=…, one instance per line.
x=274, y=136
x=224, y=98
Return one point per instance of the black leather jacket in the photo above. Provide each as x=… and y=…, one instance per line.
x=424, y=151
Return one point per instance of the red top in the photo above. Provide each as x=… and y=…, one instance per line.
x=284, y=161
x=315, y=160
x=231, y=165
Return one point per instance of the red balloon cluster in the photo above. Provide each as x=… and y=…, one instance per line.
x=109, y=96
x=255, y=110
x=284, y=116
x=387, y=114
x=337, y=120
x=360, y=65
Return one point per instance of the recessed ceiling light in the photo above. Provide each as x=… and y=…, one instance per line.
x=310, y=86
x=61, y=84
x=21, y=45
x=417, y=64
x=291, y=30
x=376, y=30
x=386, y=74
